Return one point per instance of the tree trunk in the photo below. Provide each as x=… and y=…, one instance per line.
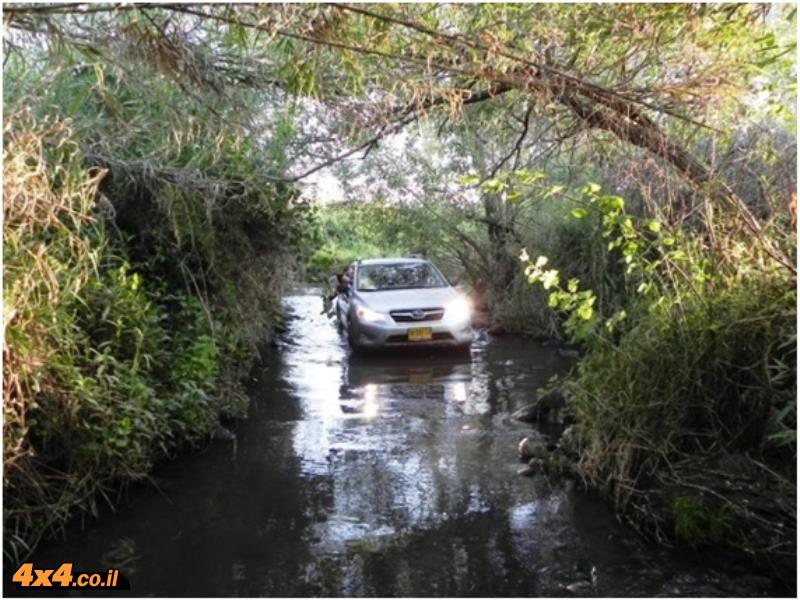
x=503, y=264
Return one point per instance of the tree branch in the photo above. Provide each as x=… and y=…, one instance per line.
x=517, y=149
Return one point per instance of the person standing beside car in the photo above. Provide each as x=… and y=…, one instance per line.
x=341, y=284
x=328, y=296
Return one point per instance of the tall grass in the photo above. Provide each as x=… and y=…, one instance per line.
x=685, y=400
x=134, y=302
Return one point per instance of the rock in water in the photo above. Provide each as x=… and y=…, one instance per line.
x=533, y=413
x=529, y=448
x=584, y=587
x=223, y=434
x=569, y=353
x=528, y=414
x=579, y=587
x=536, y=465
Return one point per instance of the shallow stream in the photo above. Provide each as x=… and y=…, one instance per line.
x=381, y=476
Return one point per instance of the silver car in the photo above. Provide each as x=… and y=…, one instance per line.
x=403, y=302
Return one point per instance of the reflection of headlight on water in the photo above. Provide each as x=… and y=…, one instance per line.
x=460, y=391
x=371, y=406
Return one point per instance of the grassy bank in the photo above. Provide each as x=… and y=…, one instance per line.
x=685, y=400
x=148, y=240
x=132, y=307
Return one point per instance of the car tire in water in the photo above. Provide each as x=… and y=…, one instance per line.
x=339, y=322
x=354, y=346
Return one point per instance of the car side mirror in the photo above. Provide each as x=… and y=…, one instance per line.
x=453, y=281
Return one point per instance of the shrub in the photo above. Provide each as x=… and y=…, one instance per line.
x=686, y=397
x=123, y=342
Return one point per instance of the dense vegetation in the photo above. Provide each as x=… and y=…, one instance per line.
x=639, y=159
x=145, y=257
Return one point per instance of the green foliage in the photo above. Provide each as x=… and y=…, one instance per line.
x=346, y=232
x=637, y=244
x=104, y=371
x=143, y=265
x=692, y=362
x=696, y=523
x=542, y=217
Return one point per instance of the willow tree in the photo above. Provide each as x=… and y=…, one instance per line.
x=651, y=76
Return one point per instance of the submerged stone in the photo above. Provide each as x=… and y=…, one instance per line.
x=539, y=410
x=529, y=448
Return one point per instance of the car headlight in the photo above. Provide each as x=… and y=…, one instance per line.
x=368, y=315
x=458, y=310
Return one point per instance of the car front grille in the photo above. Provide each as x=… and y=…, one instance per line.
x=417, y=315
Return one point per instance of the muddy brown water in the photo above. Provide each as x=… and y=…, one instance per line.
x=389, y=475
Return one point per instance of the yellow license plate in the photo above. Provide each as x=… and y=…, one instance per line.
x=419, y=334
x=420, y=378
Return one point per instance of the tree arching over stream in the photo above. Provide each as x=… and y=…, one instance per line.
x=641, y=157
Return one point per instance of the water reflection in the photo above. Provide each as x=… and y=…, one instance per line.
x=394, y=467
x=410, y=445
x=378, y=476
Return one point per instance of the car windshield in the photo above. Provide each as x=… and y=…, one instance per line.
x=398, y=276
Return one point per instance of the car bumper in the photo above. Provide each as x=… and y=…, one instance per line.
x=395, y=335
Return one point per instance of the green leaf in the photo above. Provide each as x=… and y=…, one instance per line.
x=585, y=311
x=618, y=317
x=549, y=279
x=677, y=255
x=654, y=226
x=528, y=177
x=493, y=186
x=629, y=249
x=611, y=204
x=556, y=189
x=578, y=213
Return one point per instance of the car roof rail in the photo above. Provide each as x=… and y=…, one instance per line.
x=415, y=255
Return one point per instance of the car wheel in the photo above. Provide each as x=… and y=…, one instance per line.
x=352, y=340
x=339, y=324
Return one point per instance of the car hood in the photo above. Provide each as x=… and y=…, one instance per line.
x=408, y=299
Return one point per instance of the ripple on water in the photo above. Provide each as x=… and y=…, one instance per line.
x=381, y=475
